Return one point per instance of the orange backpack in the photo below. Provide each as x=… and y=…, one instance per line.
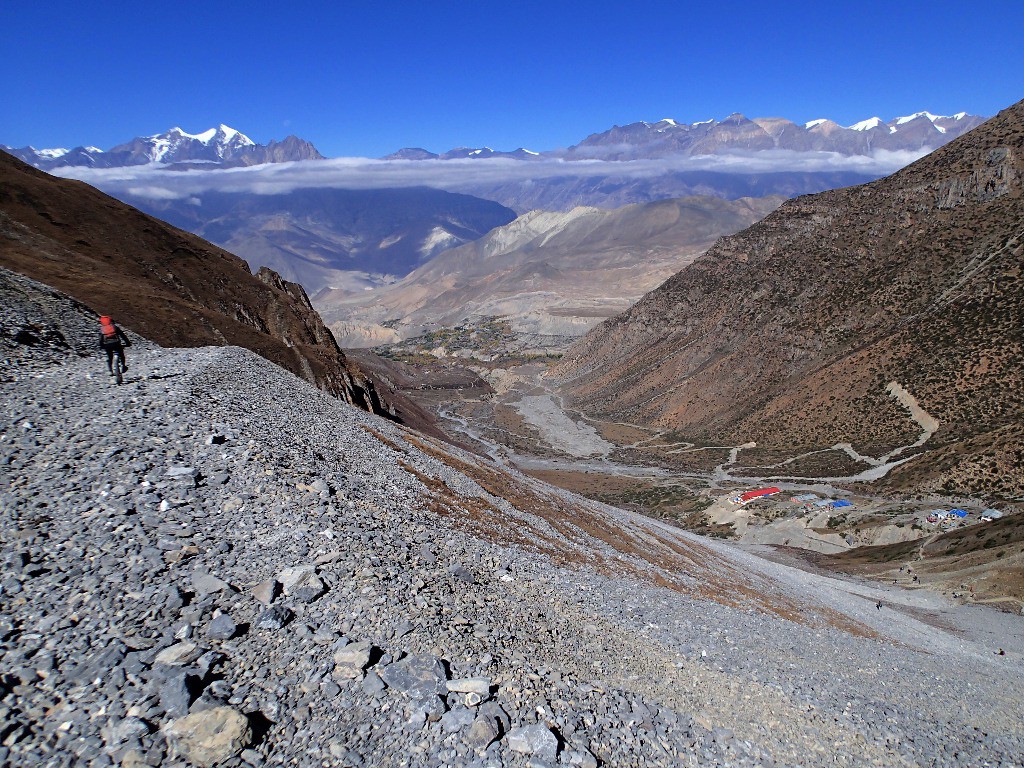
x=107, y=329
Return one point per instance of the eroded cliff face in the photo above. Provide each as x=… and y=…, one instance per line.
x=790, y=332
x=165, y=284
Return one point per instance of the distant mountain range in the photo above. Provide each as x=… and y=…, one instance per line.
x=354, y=238
x=221, y=146
x=224, y=146
x=736, y=133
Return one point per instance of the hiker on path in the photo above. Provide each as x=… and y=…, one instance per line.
x=113, y=340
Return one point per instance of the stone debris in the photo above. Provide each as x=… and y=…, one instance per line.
x=155, y=619
x=478, y=685
x=416, y=676
x=301, y=582
x=536, y=739
x=274, y=617
x=178, y=654
x=210, y=737
x=350, y=661
x=266, y=591
x=221, y=628
x=205, y=584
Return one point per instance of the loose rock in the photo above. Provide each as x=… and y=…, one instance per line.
x=210, y=737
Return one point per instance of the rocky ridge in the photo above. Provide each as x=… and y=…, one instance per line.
x=199, y=572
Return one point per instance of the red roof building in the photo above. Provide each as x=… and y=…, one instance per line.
x=756, y=494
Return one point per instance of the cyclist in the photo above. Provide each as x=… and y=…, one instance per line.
x=113, y=341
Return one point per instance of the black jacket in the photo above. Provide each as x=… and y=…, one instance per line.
x=120, y=340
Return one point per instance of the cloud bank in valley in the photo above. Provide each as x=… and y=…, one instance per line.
x=159, y=182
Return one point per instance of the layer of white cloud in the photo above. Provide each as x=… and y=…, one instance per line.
x=159, y=183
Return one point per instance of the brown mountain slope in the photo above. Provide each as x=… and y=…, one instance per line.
x=167, y=285
x=790, y=332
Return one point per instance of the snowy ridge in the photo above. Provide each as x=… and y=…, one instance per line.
x=223, y=139
x=226, y=133
x=221, y=145
x=866, y=125
x=907, y=118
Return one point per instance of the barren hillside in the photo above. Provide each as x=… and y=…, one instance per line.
x=858, y=316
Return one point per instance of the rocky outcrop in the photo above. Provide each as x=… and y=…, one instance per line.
x=791, y=332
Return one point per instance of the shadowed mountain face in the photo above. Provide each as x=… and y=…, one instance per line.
x=168, y=286
x=334, y=237
x=792, y=332
x=551, y=274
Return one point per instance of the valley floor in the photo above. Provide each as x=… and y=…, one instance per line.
x=523, y=422
x=148, y=531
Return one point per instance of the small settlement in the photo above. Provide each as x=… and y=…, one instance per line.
x=811, y=502
x=945, y=519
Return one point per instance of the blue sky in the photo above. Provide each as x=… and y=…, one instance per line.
x=368, y=78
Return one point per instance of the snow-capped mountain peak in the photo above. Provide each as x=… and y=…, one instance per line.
x=219, y=146
x=212, y=144
x=867, y=125
x=815, y=123
x=231, y=135
x=223, y=133
x=908, y=118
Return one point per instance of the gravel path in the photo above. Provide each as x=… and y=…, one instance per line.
x=215, y=564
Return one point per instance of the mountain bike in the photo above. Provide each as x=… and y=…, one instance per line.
x=119, y=366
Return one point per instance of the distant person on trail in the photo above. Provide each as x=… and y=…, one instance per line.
x=113, y=340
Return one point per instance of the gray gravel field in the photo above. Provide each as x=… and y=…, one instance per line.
x=216, y=564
